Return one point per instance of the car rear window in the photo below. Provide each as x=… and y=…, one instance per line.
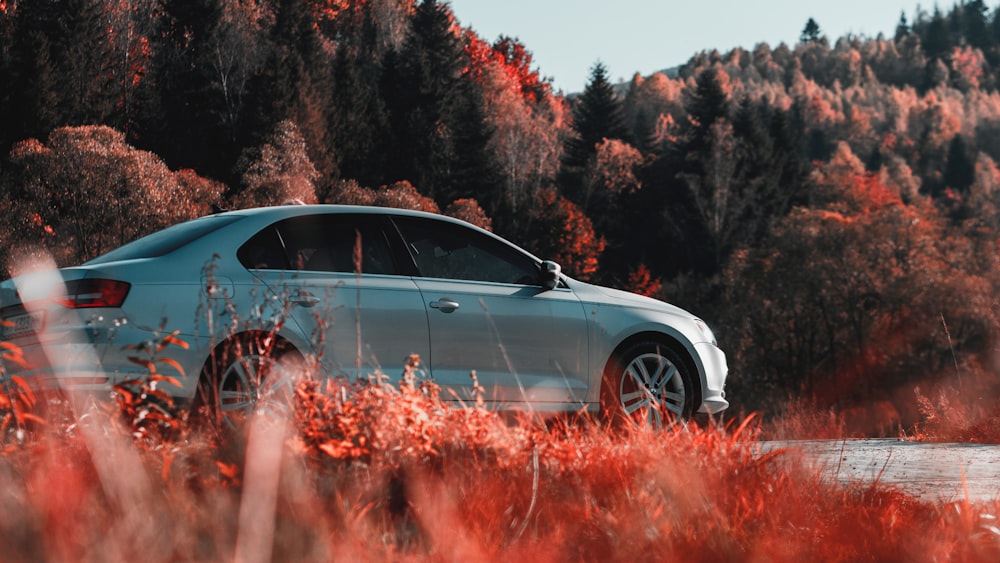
x=166, y=241
x=321, y=243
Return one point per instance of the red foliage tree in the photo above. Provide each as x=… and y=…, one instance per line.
x=94, y=192
x=563, y=233
x=401, y=195
x=469, y=211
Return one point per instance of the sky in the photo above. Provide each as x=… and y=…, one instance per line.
x=566, y=37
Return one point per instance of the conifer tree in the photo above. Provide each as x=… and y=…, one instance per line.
x=6, y=77
x=32, y=109
x=976, y=25
x=936, y=38
x=439, y=132
x=811, y=32
x=707, y=104
x=902, y=28
x=84, y=60
x=359, y=124
x=597, y=115
x=296, y=84
x=960, y=168
x=61, y=62
x=184, y=125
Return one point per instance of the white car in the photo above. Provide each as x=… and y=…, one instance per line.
x=351, y=290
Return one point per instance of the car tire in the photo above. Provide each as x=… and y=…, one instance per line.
x=251, y=373
x=647, y=383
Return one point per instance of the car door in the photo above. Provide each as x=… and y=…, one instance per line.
x=487, y=313
x=338, y=276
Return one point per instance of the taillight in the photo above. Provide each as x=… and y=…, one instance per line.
x=95, y=292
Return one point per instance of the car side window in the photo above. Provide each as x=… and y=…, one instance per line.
x=321, y=243
x=264, y=251
x=450, y=251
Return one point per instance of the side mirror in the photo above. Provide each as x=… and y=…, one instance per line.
x=549, y=274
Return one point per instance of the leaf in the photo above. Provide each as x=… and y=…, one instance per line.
x=334, y=449
x=171, y=380
x=144, y=363
x=126, y=394
x=228, y=470
x=14, y=354
x=174, y=364
x=26, y=391
x=172, y=339
x=32, y=417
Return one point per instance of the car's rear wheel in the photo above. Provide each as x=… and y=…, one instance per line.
x=647, y=383
x=252, y=373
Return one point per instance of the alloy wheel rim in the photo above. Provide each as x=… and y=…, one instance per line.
x=651, y=390
x=256, y=384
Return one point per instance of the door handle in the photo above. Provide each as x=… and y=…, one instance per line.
x=304, y=298
x=445, y=305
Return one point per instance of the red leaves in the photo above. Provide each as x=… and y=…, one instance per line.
x=149, y=411
x=512, y=58
x=37, y=221
x=468, y=210
x=12, y=353
x=230, y=472
x=378, y=423
x=150, y=366
x=641, y=281
x=69, y=180
x=565, y=235
x=16, y=397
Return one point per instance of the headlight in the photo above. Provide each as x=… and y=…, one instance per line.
x=706, y=332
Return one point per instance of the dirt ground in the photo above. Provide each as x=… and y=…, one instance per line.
x=931, y=472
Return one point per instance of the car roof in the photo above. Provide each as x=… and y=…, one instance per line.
x=278, y=212
x=294, y=210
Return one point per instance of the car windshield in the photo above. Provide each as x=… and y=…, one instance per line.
x=166, y=241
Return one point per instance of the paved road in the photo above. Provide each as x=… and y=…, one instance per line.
x=932, y=472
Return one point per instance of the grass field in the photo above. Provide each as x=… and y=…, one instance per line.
x=371, y=471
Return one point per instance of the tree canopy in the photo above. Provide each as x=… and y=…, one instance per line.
x=811, y=199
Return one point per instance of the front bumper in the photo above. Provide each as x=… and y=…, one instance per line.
x=713, y=400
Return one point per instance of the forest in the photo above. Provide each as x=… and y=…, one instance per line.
x=832, y=207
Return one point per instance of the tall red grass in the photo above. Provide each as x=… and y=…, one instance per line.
x=374, y=471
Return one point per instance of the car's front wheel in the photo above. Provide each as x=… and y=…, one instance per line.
x=249, y=374
x=647, y=383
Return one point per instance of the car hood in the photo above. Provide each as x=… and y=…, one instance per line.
x=599, y=295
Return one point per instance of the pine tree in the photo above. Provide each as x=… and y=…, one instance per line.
x=59, y=57
x=304, y=84
x=359, y=124
x=597, y=115
x=33, y=106
x=936, y=38
x=960, y=168
x=902, y=28
x=6, y=77
x=995, y=26
x=183, y=124
x=811, y=32
x=85, y=62
x=131, y=26
x=976, y=26
x=439, y=132
x=707, y=104
x=695, y=159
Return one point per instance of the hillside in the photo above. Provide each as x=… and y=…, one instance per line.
x=831, y=207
